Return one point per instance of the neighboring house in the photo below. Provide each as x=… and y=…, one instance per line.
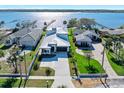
x=31, y=39
x=83, y=41
x=56, y=40
x=91, y=34
x=25, y=37
x=113, y=31
x=86, y=38
x=14, y=38
x=78, y=31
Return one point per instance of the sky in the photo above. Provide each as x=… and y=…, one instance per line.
x=111, y=7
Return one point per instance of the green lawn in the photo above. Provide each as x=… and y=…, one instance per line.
x=12, y=83
x=82, y=62
x=42, y=71
x=39, y=83
x=117, y=68
x=86, y=51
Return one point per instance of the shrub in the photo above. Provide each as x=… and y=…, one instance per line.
x=36, y=66
x=8, y=83
x=1, y=53
x=48, y=72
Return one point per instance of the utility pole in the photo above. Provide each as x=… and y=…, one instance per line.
x=20, y=70
x=25, y=65
x=103, y=54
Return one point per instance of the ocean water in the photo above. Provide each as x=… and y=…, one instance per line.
x=112, y=20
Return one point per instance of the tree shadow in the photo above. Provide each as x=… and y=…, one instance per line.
x=118, y=62
x=104, y=83
x=25, y=82
x=20, y=83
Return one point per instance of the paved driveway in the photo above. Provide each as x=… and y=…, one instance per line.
x=62, y=72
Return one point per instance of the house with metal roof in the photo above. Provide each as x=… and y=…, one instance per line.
x=86, y=38
x=56, y=40
x=31, y=39
x=27, y=37
x=82, y=40
x=14, y=38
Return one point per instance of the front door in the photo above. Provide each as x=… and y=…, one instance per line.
x=52, y=49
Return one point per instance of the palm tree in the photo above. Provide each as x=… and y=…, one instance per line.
x=72, y=22
x=108, y=43
x=13, y=58
x=118, y=49
x=20, y=59
x=114, y=40
x=122, y=55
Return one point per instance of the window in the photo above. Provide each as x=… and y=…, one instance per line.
x=7, y=41
x=46, y=51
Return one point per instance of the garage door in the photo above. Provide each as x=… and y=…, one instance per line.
x=61, y=48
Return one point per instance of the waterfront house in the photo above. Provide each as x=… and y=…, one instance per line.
x=31, y=39
x=56, y=40
x=14, y=38
x=27, y=37
x=86, y=38
x=83, y=41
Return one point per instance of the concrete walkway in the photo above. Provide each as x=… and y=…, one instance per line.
x=62, y=72
x=98, y=56
x=112, y=83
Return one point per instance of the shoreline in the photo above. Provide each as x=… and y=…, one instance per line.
x=63, y=10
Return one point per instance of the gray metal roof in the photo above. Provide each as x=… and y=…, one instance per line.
x=90, y=33
x=20, y=33
x=78, y=31
x=35, y=33
x=82, y=37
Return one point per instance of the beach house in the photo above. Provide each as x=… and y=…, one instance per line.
x=56, y=40
x=27, y=37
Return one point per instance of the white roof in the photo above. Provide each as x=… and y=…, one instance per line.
x=54, y=39
x=61, y=31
